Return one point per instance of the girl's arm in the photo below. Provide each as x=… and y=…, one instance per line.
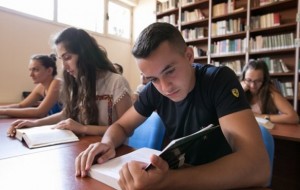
x=287, y=113
x=121, y=107
x=25, y=111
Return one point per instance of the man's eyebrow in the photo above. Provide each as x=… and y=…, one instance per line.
x=166, y=68
x=161, y=72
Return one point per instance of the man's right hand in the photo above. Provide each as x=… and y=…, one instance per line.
x=97, y=152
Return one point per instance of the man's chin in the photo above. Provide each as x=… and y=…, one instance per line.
x=176, y=99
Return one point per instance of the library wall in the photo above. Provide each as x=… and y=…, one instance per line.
x=22, y=36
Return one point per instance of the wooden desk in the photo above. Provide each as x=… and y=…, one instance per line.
x=286, y=132
x=47, y=168
x=11, y=147
x=286, y=168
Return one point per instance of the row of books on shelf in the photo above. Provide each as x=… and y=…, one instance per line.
x=193, y=34
x=265, y=21
x=257, y=3
x=195, y=15
x=276, y=65
x=198, y=52
x=171, y=19
x=285, y=88
x=225, y=8
x=272, y=42
x=188, y=2
x=229, y=46
x=166, y=5
x=235, y=65
x=227, y=26
x=218, y=9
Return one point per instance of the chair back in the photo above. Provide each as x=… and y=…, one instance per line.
x=270, y=146
x=149, y=134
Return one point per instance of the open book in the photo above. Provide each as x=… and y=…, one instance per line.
x=45, y=136
x=108, y=172
x=265, y=123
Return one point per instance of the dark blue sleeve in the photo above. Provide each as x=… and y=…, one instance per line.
x=147, y=101
x=228, y=93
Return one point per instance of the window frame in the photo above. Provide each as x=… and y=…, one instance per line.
x=105, y=24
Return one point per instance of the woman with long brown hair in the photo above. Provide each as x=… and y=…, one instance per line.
x=94, y=95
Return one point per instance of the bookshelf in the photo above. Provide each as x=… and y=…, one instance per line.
x=231, y=32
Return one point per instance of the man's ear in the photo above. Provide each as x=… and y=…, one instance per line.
x=190, y=54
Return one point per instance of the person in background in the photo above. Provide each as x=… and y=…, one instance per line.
x=43, y=73
x=119, y=68
x=140, y=87
x=265, y=100
x=94, y=95
x=187, y=99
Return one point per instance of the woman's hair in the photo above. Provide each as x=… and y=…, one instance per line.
x=266, y=102
x=119, y=68
x=79, y=93
x=47, y=61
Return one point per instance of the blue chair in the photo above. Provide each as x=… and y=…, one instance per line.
x=270, y=146
x=149, y=134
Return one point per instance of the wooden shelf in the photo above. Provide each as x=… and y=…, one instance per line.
x=168, y=12
x=275, y=29
x=289, y=26
x=237, y=35
x=274, y=7
x=199, y=4
x=274, y=51
x=237, y=14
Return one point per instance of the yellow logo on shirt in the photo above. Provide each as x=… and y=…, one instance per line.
x=235, y=92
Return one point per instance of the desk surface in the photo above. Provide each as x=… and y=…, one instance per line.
x=48, y=168
x=286, y=132
x=11, y=147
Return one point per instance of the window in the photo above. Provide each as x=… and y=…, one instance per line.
x=90, y=15
x=119, y=19
x=43, y=9
x=80, y=14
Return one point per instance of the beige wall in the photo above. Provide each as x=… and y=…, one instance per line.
x=23, y=35
x=144, y=14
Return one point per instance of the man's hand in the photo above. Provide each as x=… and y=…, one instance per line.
x=97, y=152
x=134, y=176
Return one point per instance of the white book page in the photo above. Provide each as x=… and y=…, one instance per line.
x=47, y=135
x=108, y=172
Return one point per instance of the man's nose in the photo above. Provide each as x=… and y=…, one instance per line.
x=164, y=83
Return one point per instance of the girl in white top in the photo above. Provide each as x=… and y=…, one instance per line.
x=43, y=73
x=94, y=95
x=265, y=100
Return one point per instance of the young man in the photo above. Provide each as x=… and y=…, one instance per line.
x=187, y=98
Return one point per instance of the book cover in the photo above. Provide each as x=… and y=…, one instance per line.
x=210, y=137
x=173, y=153
x=45, y=136
x=265, y=123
